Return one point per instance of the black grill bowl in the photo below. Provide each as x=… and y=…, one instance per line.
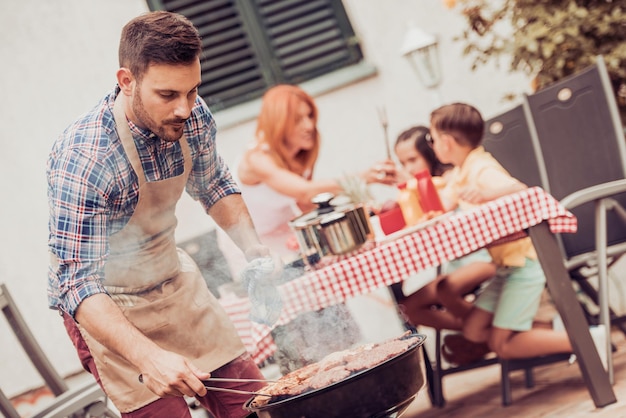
x=365, y=394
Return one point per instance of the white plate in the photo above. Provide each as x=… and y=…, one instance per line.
x=410, y=229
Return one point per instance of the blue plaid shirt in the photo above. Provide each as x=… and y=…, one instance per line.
x=93, y=191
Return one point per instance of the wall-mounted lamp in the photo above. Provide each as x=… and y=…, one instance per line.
x=421, y=50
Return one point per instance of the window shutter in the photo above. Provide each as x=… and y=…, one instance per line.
x=231, y=71
x=250, y=45
x=308, y=38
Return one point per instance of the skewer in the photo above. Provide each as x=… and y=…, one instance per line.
x=207, y=383
x=382, y=116
x=244, y=392
x=231, y=379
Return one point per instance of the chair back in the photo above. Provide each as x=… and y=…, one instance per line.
x=32, y=348
x=82, y=400
x=581, y=144
x=30, y=345
x=509, y=138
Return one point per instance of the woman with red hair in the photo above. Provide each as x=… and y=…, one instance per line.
x=287, y=146
x=275, y=175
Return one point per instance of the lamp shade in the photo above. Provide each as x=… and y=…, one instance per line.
x=421, y=50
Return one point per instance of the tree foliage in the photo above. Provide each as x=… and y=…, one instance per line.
x=548, y=39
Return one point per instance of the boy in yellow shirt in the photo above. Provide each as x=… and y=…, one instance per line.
x=503, y=313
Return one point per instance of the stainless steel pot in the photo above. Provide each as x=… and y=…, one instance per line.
x=331, y=230
x=306, y=228
x=339, y=234
x=359, y=221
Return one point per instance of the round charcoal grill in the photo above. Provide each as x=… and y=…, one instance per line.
x=383, y=391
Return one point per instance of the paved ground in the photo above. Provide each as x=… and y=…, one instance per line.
x=559, y=392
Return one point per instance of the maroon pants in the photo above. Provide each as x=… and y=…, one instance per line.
x=220, y=404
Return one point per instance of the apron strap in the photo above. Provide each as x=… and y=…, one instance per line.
x=127, y=138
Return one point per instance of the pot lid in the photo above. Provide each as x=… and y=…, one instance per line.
x=322, y=201
x=327, y=204
x=302, y=221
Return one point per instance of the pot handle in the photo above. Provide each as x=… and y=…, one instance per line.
x=322, y=201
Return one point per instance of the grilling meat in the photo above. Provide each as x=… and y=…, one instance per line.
x=334, y=368
x=328, y=377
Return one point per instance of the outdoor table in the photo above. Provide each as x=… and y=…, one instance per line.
x=532, y=212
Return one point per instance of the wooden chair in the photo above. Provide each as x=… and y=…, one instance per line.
x=87, y=400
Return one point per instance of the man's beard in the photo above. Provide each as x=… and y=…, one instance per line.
x=164, y=131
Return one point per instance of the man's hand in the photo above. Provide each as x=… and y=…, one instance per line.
x=264, y=268
x=169, y=374
x=163, y=372
x=261, y=251
x=259, y=279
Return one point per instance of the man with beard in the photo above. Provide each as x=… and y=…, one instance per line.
x=137, y=309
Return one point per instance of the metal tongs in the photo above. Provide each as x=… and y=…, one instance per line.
x=207, y=385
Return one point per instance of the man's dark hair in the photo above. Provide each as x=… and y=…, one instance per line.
x=158, y=38
x=463, y=121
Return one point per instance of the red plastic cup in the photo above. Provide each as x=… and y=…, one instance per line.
x=391, y=220
x=429, y=197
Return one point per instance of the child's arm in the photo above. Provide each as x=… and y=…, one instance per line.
x=491, y=184
x=477, y=196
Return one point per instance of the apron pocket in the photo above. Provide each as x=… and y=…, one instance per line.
x=152, y=311
x=147, y=318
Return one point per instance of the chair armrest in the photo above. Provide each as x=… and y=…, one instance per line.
x=593, y=193
x=75, y=400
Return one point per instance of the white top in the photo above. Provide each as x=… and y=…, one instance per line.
x=269, y=209
x=271, y=212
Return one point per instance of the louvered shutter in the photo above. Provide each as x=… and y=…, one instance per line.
x=250, y=45
x=308, y=38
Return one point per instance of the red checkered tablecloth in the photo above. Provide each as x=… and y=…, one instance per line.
x=498, y=221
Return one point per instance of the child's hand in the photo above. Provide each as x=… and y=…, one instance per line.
x=383, y=172
x=478, y=196
x=473, y=195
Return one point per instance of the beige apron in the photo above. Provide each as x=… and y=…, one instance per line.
x=159, y=287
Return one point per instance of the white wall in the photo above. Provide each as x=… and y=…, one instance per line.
x=59, y=57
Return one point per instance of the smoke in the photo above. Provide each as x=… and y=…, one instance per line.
x=307, y=338
x=313, y=335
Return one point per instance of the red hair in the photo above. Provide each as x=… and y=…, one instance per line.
x=277, y=120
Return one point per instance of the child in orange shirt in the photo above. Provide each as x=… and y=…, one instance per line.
x=462, y=276
x=504, y=311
